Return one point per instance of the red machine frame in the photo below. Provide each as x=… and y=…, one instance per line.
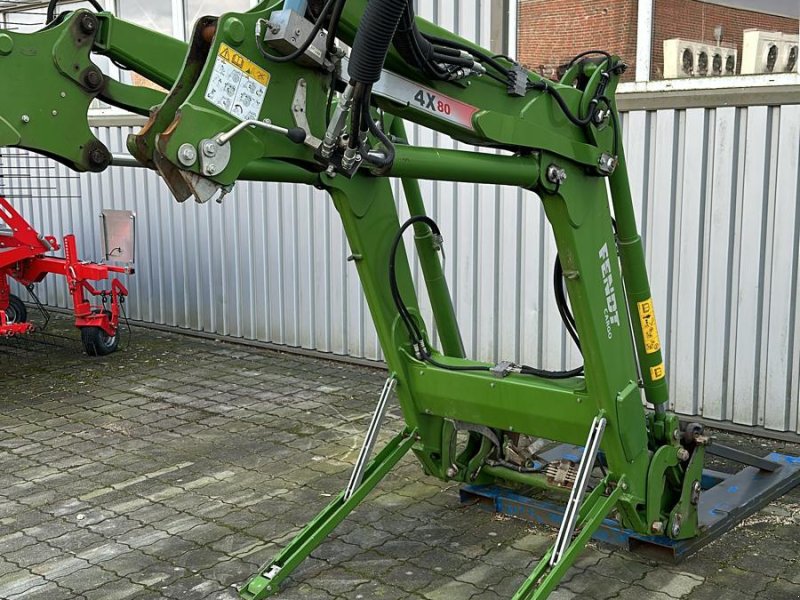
x=22, y=258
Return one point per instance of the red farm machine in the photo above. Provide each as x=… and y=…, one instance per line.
x=25, y=258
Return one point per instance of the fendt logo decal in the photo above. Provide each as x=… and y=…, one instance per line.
x=611, y=311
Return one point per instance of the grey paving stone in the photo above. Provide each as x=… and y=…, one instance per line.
x=175, y=469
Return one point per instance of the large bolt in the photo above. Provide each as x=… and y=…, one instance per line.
x=92, y=78
x=99, y=158
x=607, y=163
x=88, y=23
x=683, y=454
x=657, y=527
x=676, y=526
x=696, y=491
x=187, y=155
x=556, y=174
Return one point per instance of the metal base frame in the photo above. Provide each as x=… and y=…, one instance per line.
x=727, y=500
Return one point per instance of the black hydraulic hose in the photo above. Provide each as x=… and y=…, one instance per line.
x=485, y=58
x=382, y=137
x=375, y=33
x=413, y=331
x=577, y=57
x=542, y=86
x=525, y=370
x=360, y=93
x=333, y=25
x=414, y=48
x=51, y=8
x=561, y=302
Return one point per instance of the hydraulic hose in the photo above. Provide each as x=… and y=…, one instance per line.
x=371, y=45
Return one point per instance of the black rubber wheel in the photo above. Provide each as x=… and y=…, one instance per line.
x=97, y=342
x=16, y=311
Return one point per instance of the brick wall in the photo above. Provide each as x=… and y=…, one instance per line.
x=551, y=32
x=693, y=20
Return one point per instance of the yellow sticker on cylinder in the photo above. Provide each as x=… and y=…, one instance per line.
x=657, y=372
x=647, y=317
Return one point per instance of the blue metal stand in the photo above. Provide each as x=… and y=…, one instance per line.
x=726, y=501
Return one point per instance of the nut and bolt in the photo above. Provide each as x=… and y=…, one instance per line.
x=452, y=471
x=556, y=174
x=696, y=491
x=99, y=157
x=92, y=79
x=683, y=454
x=88, y=23
x=676, y=434
x=211, y=169
x=607, y=163
x=187, y=155
x=210, y=149
x=600, y=116
x=657, y=527
x=26, y=119
x=676, y=526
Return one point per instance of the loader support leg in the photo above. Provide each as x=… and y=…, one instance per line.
x=546, y=577
x=267, y=581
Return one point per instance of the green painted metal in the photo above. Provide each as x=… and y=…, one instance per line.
x=441, y=302
x=314, y=533
x=650, y=478
x=637, y=282
x=51, y=73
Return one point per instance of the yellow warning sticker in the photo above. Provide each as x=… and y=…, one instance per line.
x=243, y=64
x=657, y=372
x=237, y=84
x=647, y=317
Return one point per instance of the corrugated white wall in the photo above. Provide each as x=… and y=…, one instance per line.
x=718, y=197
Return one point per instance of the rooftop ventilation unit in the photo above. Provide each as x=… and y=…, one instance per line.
x=769, y=52
x=685, y=58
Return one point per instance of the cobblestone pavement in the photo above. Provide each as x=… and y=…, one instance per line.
x=174, y=469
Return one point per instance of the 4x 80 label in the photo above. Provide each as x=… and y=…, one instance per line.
x=443, y=107
x=432, y=102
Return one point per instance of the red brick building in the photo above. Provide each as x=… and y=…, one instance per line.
x=550, y=32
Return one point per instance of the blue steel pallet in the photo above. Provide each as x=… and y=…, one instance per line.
x=726, y=501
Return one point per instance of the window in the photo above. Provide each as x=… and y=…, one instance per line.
x=153, y=14
x=33, y=19
x=200, y=8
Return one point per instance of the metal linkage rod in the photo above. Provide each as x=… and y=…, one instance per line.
x=567, y=529
x=369, y=441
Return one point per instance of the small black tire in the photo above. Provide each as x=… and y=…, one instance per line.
x=16, y=311
x=96, y=342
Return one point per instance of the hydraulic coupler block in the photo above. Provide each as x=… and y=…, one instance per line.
x=287, y=31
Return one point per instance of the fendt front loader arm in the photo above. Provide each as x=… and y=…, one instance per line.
x=51, y=80
x=273, y=94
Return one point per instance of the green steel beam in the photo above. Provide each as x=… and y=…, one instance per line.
x=268, y=580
